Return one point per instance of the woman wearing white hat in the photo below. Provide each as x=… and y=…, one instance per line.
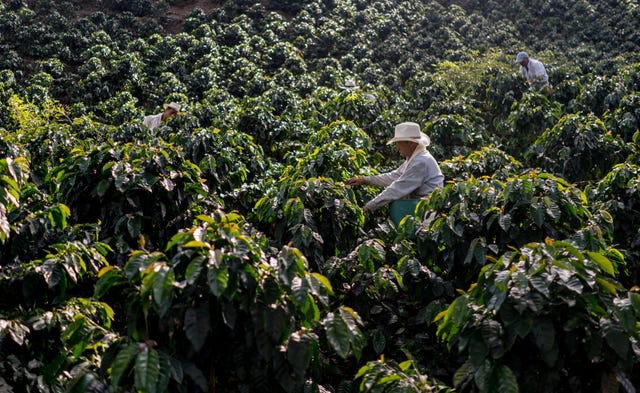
x=416, y=178
x=170, y=110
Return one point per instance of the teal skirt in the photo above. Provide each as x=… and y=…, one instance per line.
x=401, y=208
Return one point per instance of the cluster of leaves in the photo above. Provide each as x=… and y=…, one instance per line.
x=465, y=223
x=220, y=302
x=540, y=316
x=223, y=252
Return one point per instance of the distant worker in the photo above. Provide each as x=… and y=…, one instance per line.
x=416, y=178
x=534, y=71
x=349, y=84
x=170, y=110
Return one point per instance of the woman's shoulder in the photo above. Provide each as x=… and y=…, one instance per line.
x=424, y=156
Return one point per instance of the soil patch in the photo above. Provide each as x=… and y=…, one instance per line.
x=177, y=13
x=171, y=20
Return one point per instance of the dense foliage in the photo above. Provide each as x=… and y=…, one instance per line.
x=222, y=251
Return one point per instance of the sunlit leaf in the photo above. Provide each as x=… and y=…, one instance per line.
x=602, y=261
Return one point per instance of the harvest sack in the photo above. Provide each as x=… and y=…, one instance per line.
x=401, y=208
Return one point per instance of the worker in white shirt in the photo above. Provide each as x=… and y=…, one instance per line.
x=152, y=121
x=416, y=178
x=534, y=71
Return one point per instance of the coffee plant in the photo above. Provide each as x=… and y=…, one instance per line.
x=546, y=316
x=222, y=251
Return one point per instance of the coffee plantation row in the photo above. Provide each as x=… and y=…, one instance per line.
x=223, y=252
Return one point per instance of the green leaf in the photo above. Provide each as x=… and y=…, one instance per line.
x=87, y=383
x=607, y=285
x=635, y=301
x=147, y=370
x=482, y=376
x=218, y=279
x=451, y=320
x=102, y=187
x=299, y=352
x=194, y=269
x=320, y=287
x=602, y=261
x=58, y=215
x=180, y=238
x=176, y=370
x=54, y=367
x=196, y=376
x=505, y=222
x=574, y=284
x=77, y=335
x=504, y=380
x=196, y=244
x=463, y=373
x=5, y=225
x=476, y=347
x=552, y=208
x=492, y=334
x=134, y=225
x=406, y=365
x=121, y=363
x=324, y=281
x=137, y=263
x=338, y=334
x=379, y=341
x=109, y=277
x=496, y=300
x=539, y=283
x=544, y=334
x=625, y=314
x=299, y=290
x=276, y=322
x=163, y=288
x=197, y=325
x=229, y=314
x=164, y=371
x=616, y=338
x=363, y=370
x=52, y=273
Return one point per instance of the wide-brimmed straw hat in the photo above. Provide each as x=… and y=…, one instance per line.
x=410, y=132
x=173, y=105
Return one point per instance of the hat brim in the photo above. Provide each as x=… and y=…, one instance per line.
x=423, y=140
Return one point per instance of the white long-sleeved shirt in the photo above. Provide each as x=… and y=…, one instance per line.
x=417, y=177
x=152, y=121
x=535, y=72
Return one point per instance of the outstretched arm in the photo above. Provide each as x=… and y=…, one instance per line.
x=355, y=181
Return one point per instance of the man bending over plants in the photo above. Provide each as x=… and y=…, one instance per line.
x=152, y=121
x=416, y=178
x=534, y=71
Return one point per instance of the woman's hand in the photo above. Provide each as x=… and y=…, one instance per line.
x=355, y=181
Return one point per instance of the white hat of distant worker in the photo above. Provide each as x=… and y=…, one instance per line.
x=410, y=132
x=521, y=56
x=173, y=105
x=349, y=84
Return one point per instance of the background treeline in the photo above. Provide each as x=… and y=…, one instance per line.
x=223, y=253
